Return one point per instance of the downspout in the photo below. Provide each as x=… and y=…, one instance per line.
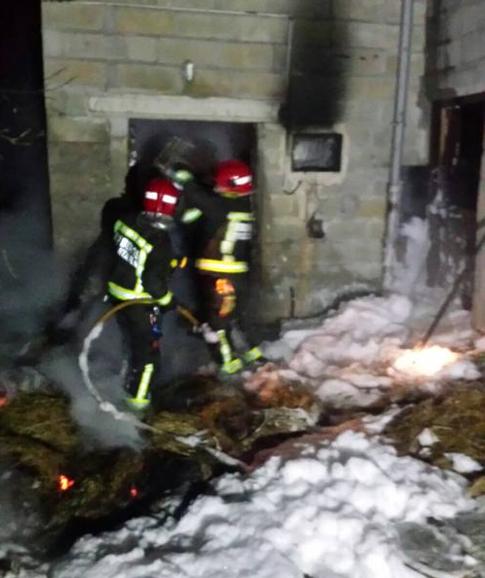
x=397, y=143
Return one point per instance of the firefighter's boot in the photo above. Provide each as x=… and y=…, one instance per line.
x=138, y=388
x=231, y=364
x=254, y=358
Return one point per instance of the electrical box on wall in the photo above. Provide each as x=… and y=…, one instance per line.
x=318, y=152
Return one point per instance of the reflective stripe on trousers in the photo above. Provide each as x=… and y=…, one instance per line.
x=144, y=383
x=224, y=347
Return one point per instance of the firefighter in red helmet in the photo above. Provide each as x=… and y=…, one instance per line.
x=144, y=259
x=220, y=226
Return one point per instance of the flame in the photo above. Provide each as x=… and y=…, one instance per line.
x=64, y=483
x=425, y=362
x=133, y=492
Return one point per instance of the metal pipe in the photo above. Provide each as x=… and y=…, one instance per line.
x=398, y=132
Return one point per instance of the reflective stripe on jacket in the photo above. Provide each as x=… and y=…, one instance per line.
x=217, y=266
x=133, y=249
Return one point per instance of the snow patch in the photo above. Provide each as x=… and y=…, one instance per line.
x=332, y=511
x=463, y=464
x=427, y=438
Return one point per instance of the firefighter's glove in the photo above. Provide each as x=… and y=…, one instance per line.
x=209, y=335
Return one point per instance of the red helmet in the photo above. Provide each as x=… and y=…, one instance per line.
x=233, y=178
x=161, y=197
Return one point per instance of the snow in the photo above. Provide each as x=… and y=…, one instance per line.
x=463, y=464
x=480, y=344
x=334, y=511
x=427, y=438
x=357, y=355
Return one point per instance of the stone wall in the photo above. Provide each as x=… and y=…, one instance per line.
x=109, y=61
x=457, y=50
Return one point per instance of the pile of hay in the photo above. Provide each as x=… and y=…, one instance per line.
x=203, y=421
x=457, y=423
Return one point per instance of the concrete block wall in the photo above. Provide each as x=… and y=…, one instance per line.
x=457, y=58
x=109, y=61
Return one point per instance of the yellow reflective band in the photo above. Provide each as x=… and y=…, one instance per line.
x=183, y=176
x=232, y=366
x=137, y=404
x=180, y=263
x=222, y=266
x=253, y=355
x=224, y=347
x=145, y=247
x=120, y=227
x=227, y=247
x=139, y=270
x=240, y=217
x=191, y=215
x=123, y=294
x=166, y=299
x=144, y=384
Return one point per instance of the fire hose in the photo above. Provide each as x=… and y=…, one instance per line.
x=192, y=442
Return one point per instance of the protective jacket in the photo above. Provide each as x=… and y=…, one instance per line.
x=143, y=261
x=220, y=230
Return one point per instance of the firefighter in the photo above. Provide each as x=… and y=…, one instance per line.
x=89, y=279
x=144, y=259
x=220, y=225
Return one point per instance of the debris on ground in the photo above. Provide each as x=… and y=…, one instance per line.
x=447, y=431
x=39, y=437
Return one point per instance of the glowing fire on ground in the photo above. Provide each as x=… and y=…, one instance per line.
x=133, y=492
x=64, y=483
x=425, y=362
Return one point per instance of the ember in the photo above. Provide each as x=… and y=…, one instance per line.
x=133, y=492
x=426, y=362
x=64, y=483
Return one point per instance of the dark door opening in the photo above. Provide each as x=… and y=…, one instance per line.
x=217, y=141
x=456, y=164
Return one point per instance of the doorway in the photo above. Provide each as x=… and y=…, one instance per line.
x=456, y=156
x=217, y=141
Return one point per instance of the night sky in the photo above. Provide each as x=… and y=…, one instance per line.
x=24, y=186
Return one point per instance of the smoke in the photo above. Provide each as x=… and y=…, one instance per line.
x=32, y=284
x=107, y=367
x=33, y=290
x=409, y=274
x=20, y=514
x=28, y=302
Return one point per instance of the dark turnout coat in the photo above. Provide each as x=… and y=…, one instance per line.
x=219, y=230
x=143, y=257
